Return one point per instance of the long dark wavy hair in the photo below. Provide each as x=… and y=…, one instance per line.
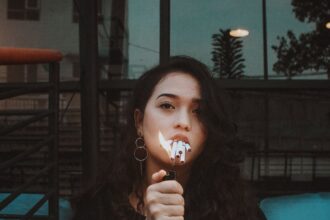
x=215, y=189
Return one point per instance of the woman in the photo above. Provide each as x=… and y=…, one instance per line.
x=175, y=122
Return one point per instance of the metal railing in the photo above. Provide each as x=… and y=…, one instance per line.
x=49, y=142
x=291, y=165
x=284, y=172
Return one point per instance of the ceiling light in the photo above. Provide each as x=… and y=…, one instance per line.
x=327, y=25
x=239, y=32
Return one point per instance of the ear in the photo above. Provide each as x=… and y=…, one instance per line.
x=138, y=118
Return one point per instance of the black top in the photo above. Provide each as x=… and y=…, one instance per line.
x=88, y=207
x=97, y=207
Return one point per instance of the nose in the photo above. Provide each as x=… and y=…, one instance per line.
x=183, y=121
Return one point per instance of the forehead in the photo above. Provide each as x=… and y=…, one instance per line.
x=178, y=83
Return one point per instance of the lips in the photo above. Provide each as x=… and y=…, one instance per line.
x=176, y=147
x=180, y=137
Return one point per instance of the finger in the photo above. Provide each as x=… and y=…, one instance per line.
x=171, y=199
x=158, y=176
x=160, y=211
x=149, y=217
x=169, y=186
x=173, y=210
x=172, y=218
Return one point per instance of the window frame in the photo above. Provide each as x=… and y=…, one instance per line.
x=24, y=13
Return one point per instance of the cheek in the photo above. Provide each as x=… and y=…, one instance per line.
x=200, y=137
x=201, y=141
x=204, y=135
x=154, y=121
x=149, y=122
x=151, y=127
x=201, y=131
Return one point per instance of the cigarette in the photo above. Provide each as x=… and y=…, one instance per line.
x=177, y=154
x=188, y=148
x=183, y=157
x=180, y=147
x=173, y=150
x=178, y=150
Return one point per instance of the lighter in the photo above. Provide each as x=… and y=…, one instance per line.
x=170, y=175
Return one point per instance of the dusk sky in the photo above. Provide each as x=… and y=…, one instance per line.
x=193, y=22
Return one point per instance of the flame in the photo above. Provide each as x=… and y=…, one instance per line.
x=164, y=144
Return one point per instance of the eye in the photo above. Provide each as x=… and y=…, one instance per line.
x=166, y=106
x=197, y=111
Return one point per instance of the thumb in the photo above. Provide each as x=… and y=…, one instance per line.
x=158, y=176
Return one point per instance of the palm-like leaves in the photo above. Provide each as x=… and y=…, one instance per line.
x=227, y=55
x=308, y=51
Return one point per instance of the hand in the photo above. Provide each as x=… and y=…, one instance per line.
x=164, y=199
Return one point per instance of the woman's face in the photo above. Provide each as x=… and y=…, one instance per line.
x=173, y=110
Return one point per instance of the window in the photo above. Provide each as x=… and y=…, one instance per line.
x=22, y=73
x=298, y=40
x=209, y=38
x=143, y=46
x=23, y=9
x=15, y=73
x=76, y=11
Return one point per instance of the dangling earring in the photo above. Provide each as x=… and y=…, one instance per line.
x=140, y=152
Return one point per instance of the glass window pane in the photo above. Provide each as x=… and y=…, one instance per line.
x=20, y=15
x=143, y=45
x=196, y=25
x=32, y=3
x=299, y=42
x=16, y=4
x=113, y=40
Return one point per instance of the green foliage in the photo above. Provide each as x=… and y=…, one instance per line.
x=309, y=51
x=227, y=55
x=311, y=10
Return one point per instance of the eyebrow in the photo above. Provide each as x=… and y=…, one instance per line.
x=176, y=97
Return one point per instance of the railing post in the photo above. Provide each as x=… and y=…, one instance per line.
x=89, y=79
x=53, y=125
x=164, y=33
